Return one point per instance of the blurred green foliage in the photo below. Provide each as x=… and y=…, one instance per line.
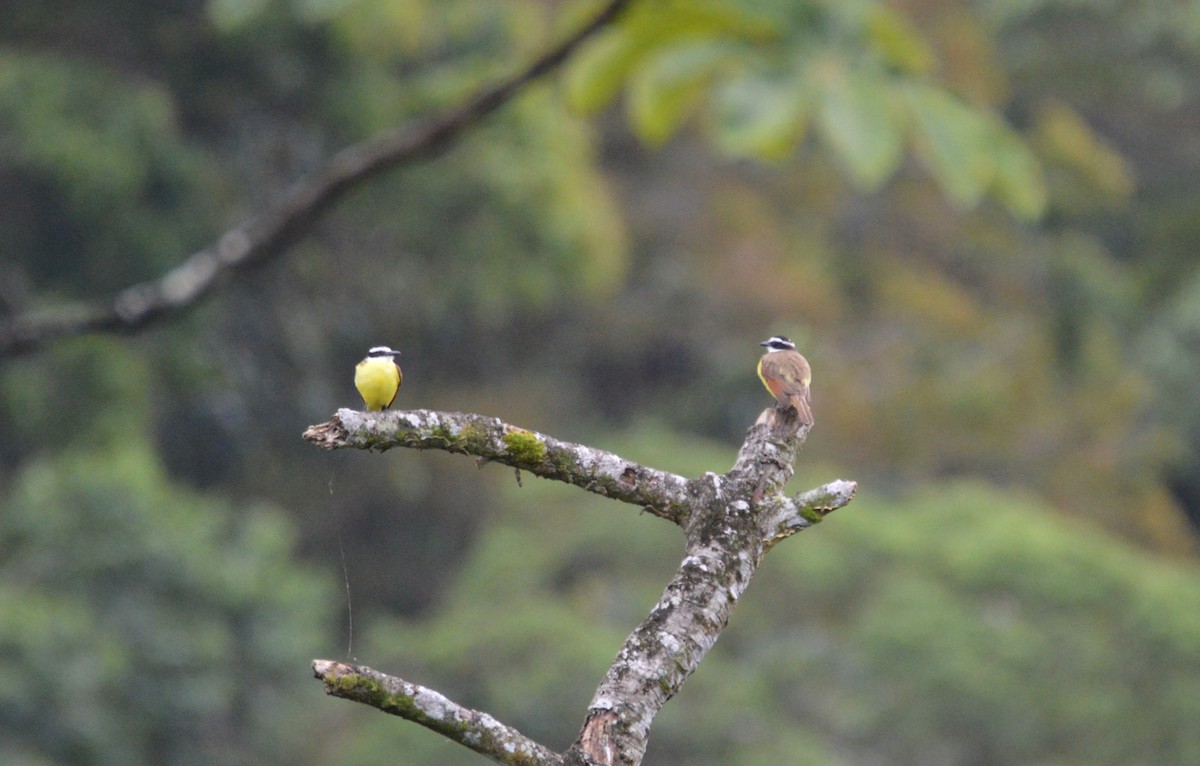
x=105, y=156
x=144, y=624
x=862, y=176
x=858, y=70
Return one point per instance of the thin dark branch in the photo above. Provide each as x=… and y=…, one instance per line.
x=433, y=710
x=273, y=232
x=661, y=493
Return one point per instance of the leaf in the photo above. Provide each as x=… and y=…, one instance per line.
x=898, y=40
x=709, y=19
x=952, y=138
x=758, y=116
x=667, y=89
x=859, y=121
x=1065, y=138
x=647, y=31
x=1019, y=184
x=599, y=70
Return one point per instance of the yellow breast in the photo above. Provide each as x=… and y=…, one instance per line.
x=762, y=377
x=377, y=380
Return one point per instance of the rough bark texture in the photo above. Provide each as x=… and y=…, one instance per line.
x=659, y=492
x=729, y=520
x=275, y=230
x=471, y=728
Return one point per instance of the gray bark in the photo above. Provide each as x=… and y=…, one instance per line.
x=730, y=521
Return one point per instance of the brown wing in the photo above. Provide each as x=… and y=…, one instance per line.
x=779, y=389
x=787, y=378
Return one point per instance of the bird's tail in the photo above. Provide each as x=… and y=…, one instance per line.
x=802, y=410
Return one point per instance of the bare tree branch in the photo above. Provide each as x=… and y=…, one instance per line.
x=802, y=511
x=274, y=231
x=730, y=522
x=471, y=728
x=661, y=493
x=725, y=544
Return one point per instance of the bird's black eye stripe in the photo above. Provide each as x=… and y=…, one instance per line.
x=779, y=343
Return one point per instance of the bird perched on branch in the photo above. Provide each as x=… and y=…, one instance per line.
x=378, y=378
x=787, y=376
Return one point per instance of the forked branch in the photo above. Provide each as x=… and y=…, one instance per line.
x=729, y=520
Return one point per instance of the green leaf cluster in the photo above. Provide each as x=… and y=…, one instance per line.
x=762, y=74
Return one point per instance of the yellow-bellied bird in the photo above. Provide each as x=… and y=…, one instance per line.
x=786, y=375
x=378, y=378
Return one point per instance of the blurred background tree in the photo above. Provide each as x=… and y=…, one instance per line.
x=976, y=218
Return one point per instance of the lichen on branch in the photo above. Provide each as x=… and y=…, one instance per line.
x=730, y=521
x=433, y=710
x=662, y=493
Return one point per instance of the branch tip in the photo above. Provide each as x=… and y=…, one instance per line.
x=433, y=710
x=489, y=439
x=328, y=435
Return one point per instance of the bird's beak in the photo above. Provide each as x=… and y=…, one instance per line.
x=765, y=343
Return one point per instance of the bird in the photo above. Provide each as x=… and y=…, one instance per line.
x=377, y=377
x=786, y=374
